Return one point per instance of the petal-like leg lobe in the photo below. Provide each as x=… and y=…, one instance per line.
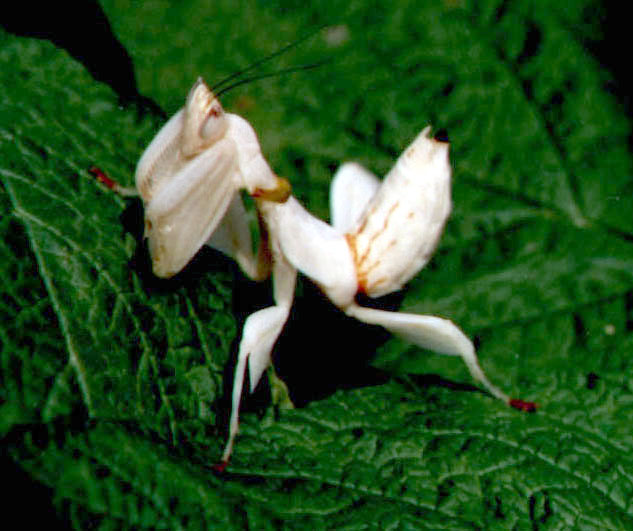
x=350, y=192
x=261, y=331
x=429, y=332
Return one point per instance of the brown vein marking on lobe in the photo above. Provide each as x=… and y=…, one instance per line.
x=391, y=211
x=363, y=269
x=376, y=234
x=351, y=242
x=364, y=223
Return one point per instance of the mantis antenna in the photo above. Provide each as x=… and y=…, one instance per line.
x=271, y=74
x=266, y=59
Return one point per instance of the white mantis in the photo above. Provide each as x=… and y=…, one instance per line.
x=382, y=233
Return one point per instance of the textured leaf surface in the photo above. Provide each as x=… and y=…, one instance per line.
x=113, y=383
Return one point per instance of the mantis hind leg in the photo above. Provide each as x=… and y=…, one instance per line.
x=433, y=333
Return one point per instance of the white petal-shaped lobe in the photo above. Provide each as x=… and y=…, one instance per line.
x=161, y=159
x=255, y=171
x=270, y=325
x=432, y=333
x=261, y=331
x=315, y=248
x=233, y=238
x=403, y=222
x=350, y=192
x=188, y=208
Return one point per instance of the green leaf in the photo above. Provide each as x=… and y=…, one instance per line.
x=113, y=390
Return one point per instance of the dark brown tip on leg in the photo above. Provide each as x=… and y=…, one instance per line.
x=522, y=405
x=220, y=468
x=441, y=136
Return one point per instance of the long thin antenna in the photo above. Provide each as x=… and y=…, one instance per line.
x=270, y=74
x=264, y=60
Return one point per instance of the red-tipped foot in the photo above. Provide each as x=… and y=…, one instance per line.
x=103, y=178
x=220, y=467
x=522, y=405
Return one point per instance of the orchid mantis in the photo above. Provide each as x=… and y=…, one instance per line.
x=382, y=233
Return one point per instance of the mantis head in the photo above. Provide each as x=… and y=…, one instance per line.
x=204, y=120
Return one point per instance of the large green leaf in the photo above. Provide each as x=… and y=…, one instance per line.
x=113, y=383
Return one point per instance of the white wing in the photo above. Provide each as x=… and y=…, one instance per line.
x=161, y=158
